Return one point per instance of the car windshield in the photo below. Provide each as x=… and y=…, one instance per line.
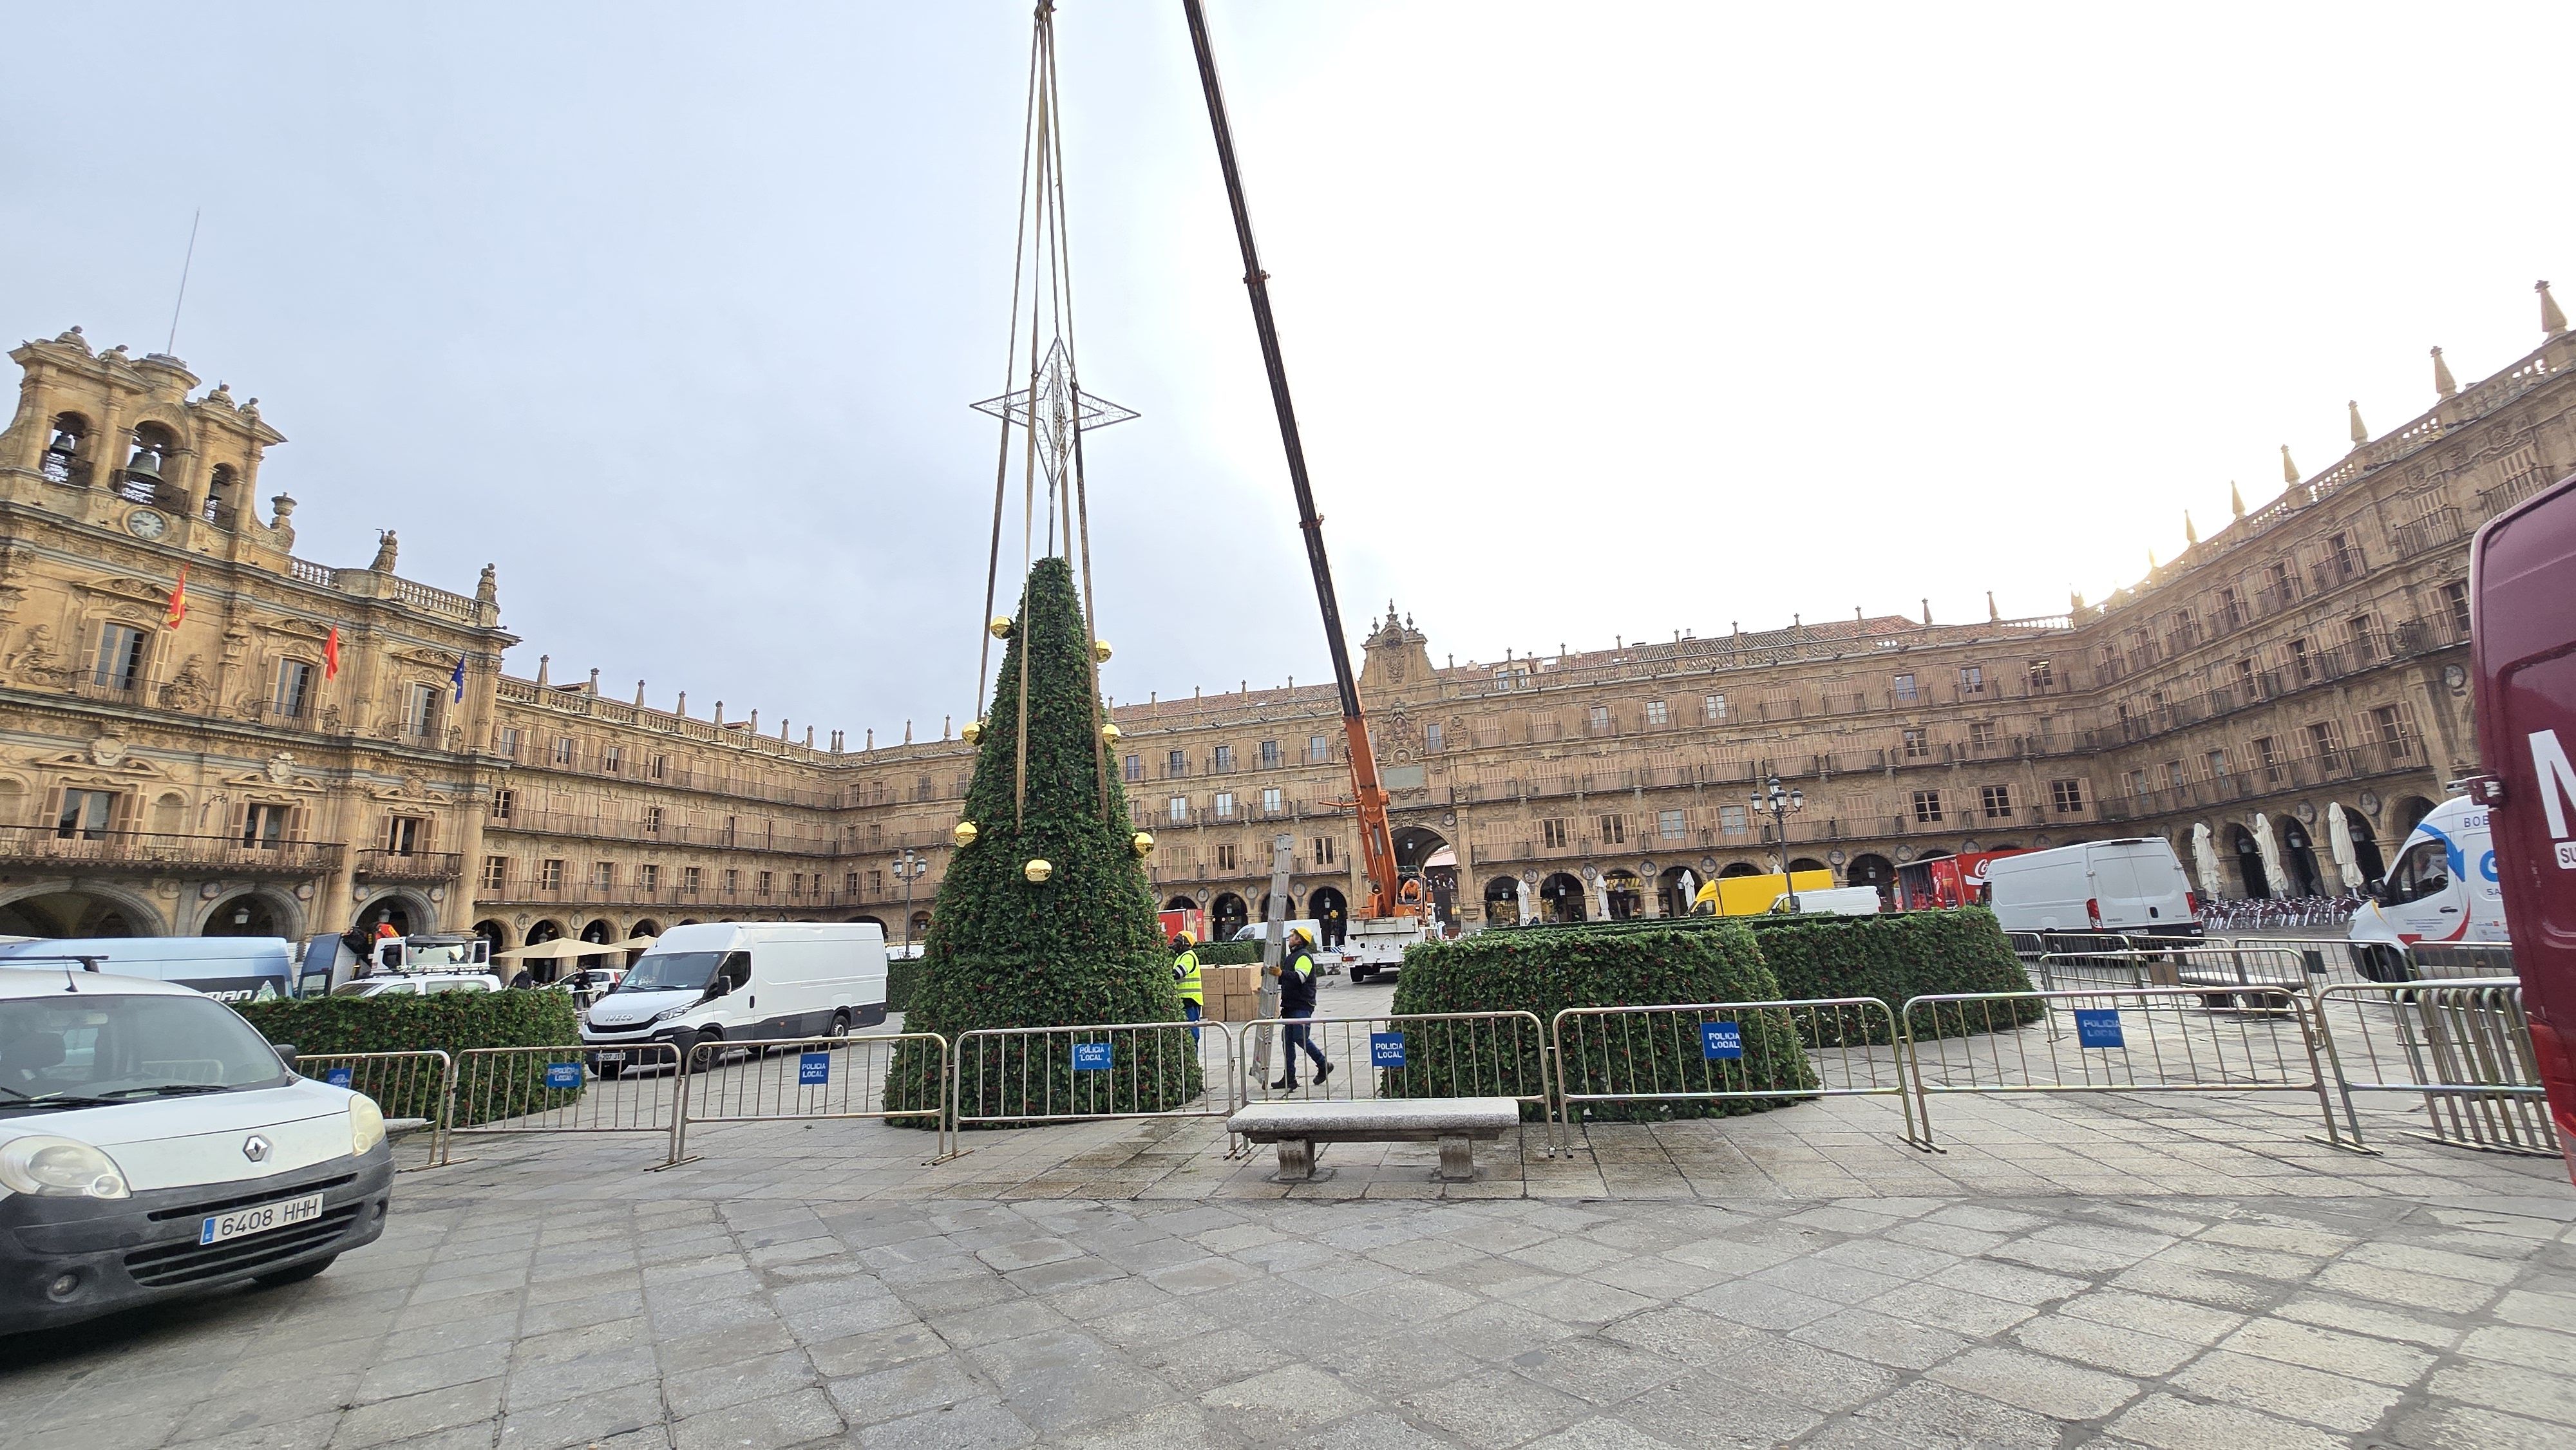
x=671, y=972
x=81, y=1049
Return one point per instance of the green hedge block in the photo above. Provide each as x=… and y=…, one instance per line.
x=1626, y=964
x=1229, y=953
x=1895, y=957
x=448, y=1022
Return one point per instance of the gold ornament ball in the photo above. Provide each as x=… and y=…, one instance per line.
x=1143, y=841
x=1109, y=733
x=1001, y=626
x=1038, y=871
x=963, y=835
x=1100, y=650
x=973, y=732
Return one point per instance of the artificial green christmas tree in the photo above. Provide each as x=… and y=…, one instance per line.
x=1045, y=918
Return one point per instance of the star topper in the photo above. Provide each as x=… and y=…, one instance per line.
x=1059, y=410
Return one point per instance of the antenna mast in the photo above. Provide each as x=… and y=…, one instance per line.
x=172, y=346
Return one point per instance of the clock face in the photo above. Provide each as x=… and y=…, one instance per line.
x=145, y=524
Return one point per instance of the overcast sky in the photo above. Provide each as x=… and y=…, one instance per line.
x=1603, y=321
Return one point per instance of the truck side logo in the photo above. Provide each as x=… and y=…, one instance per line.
x=2549, y=765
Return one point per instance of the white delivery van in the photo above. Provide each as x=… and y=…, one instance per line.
x=729, y=981
x=2443, y=889
x=226, y=968
x=2134, y=886
x=1835, y=901
x=152, y=1144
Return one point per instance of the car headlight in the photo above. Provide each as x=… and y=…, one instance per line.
x=60, y=1168
x=667, y=1013
x=366, y=1123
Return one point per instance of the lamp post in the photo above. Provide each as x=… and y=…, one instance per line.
x=1780, y=805
x=909, y=867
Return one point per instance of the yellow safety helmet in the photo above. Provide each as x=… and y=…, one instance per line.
x=1303, y=935
x=1184, y=939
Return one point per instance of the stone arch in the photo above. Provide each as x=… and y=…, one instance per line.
x=2366, y=857
x=14, y=796
x=646, y=926
x=2404, y=814
x=1181, y=903
x=222, y=507
x=269, y=912
x=495, y=931
x=70, y=448
x=56, y=908
x=1674, y=887
x=854, y=921
x=1503, y=901
x=1870, y=869
x=1808, y=863
x=1626, y=893
x=150, y=473
x=2299, y=858
x=1331, y=912
x=2249, y=861
x=409, y=911
x=1740, y=868
x=1561, y=898
x=1227, y=915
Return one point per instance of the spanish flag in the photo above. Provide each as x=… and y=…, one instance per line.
x=178, y=601
x=331, y=655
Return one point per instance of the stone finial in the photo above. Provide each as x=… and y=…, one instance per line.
x=487, y=590
x=2552, y=321
x=907, y=732
x=1927, y=614
x=2190, y=535
x=2360, y=435
x=281, y=510
x=594, y=682
x=2289, y=470
x=387, y=546
x=755, y=722
x=73, y=337
x=2235, y=499
x=639, y=694
x=542, y=662
x=809, y=737
x=872, y=738
x=2075, y=600
x=682, y=709
x=947, y=723
x=1993, y=615
x=2442, y=377
x=719, y=716
x=782, y=727
x=2152, y=565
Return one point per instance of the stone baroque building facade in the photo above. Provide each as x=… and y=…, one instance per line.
x=218, y=775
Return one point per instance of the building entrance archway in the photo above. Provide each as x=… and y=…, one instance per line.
x=1331, y=912
x=2299, y=860
x=1424, y=857
x=2405, y=814
x=1227, y=915
x=1560, y=898
x=1675, y=888
x=1503, y=901
x=64, y=911
x=1626, y=893
x=2249, y=863
x=250, y=913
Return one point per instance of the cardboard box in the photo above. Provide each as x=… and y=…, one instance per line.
x=1221, y=981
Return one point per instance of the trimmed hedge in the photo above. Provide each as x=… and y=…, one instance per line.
x=1895, y=957
x=1543, y=973
x=1229, y=953
x=448, y=1022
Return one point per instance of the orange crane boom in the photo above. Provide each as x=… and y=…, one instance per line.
x=1377, y=843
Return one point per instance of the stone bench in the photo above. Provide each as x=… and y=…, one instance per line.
x=1456, y=1124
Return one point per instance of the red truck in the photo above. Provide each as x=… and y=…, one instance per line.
x=2522, y=629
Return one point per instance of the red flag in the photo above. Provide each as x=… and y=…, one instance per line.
x=178, y=601
x=331, y=655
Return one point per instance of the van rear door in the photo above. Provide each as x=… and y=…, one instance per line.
x=2116, y=887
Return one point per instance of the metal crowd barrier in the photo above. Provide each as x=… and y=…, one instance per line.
x=2215, y=967
x=2464, y=1046
x=404, y=1085
x=509, y=1090
x=1703, y=1053
x=808, y=1079
x=1077, y=1074
x=2115, y=1040
x=1415, y=1055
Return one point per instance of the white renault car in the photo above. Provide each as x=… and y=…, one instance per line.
x=152, y=1144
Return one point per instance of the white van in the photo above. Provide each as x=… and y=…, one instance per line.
x=226, y=968
x=152, y=1145
x=2443, y=889
x=1835, y=901
x=2133, y=885
x=723, y=980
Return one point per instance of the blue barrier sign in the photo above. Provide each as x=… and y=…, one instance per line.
x=813, y=1069
x=1721, y=1039
x=1091, y=1057
x=340, y=1076
x=2098, y=1027
x=563, y=1074
x=1386, y=1049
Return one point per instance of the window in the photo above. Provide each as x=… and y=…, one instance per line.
x=2425, y=870
x=1713, y=709
x=1135, y=767
x=649, y=877
x=1670, y=825
x=611, y=758
x=2300, y=664
x=1270, y=800
x=2322, y=743
x=1178, y=764
x=2066, y=796
x=1981, y=734
x=760, y=883
x=550, y=875
x=1918, y=744
x=876, y=881
x=1225, y=805
x=1730, y=819
x=652, y=820
x=496, y=872
x=120, y=657
x=2455, y=595
x=2137, y=783
x=1180, y=809
x=1972, y=679
x=1551, y=831
x=406, y=835
x=564, y=750
x=2342, y=559
x=2246, y=683
x=603, y=875
x=2231, y=607
x=1319, y=750
x=1614, y=830
x=1225, y=858
x=86, y=813
x=1598, y=719
x=1431, y=738
x=2285, y=584
x=1323, y=850
x=1995, y=801
x=504, y=801
x=420, y=711
x=2364, y=648
x=294, y=695
x=2173, y=775
x=729, y=829
x=1657, y=714
x=796, y=886
x=1902, y=687
x=1224, y=759
x=2269, y=758
x=1927, y=807
x=732, y=881
x=506, y=740
x=2390, y=727
x=659, y=762
x=264, y=825
x=691, y=877
x=2042, y=676
x=2215, y=762
x=1269, y=754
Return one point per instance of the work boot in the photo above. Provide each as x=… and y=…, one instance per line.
x=1286, y=1084
x=1322, y=1072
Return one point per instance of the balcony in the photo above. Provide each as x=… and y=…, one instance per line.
x=2440, y=527
x=151, y=853
x=377, y=863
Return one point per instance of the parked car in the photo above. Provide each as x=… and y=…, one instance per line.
x=226, y=968
x=1834, y=901
x=418, y=984
x=2133, y=886
x=718, y=981
x=153, y=1145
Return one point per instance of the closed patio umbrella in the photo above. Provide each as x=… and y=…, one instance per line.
x=2204, y=859
x=2339, y=840
x=2268, y=846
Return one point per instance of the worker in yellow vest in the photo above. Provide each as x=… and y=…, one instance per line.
x=1296, y=976
x=1185, y=972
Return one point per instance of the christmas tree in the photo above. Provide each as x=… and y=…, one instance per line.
x=1045, y=918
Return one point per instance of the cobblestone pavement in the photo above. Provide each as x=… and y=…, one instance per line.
x=2075, y=1272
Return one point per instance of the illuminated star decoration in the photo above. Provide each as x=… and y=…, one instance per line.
x=1058, y=409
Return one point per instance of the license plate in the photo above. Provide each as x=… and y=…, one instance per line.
x=610, y=1056
x=260, y=1219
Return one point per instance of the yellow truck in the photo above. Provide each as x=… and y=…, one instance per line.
x=1753, y=895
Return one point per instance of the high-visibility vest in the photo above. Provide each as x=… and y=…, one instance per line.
x=1186, y=967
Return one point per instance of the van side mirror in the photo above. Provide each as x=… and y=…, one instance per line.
x=286, y=1055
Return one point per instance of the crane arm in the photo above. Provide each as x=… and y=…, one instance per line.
x=1377, y=843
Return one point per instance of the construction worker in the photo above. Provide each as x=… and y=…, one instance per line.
x=1296, y=974
x=1185, y=972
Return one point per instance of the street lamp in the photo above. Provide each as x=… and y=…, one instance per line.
x=908, y=868
x=1780, y=805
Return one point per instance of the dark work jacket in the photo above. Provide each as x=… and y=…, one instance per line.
x=1297, y=986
